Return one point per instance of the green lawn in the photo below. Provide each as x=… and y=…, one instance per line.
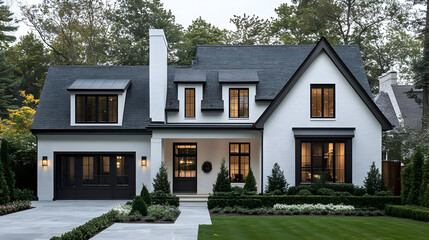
x=312, y=227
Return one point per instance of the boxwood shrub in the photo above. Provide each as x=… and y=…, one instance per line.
x=90, y=228
x=378, y=202
x=167, y=200
x=407, y=211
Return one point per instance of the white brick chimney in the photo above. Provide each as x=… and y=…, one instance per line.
x=386, y=80
x=157, y=74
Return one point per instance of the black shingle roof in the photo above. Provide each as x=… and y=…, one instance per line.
x=274, y=66
x=53, y=112
x=410, y=110
x=383, y=102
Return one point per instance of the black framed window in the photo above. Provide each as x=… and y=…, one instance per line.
x=190, y=102
x=96, y=108
x=96, y=170
x=239, y=161
x=323, y=157
x=322, y=101
x=238, y=102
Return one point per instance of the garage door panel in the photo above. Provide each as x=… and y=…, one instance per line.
x=95, y=175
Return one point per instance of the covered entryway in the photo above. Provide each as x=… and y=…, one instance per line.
x=185, y=168
x=94, y=175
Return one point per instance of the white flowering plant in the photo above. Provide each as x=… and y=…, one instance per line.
x=314, y=207
x=122, y=209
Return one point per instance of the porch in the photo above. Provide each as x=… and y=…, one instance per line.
x=193, y=160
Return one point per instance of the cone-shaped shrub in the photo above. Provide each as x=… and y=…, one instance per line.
x=373, y=181
x=250, y=185
x=406, y=183
x=416, y=177
x=160, y=182
x=145, y=195
x=139, y=206
x=7, y=167
x=223, y=183
x=277, y=180
x=423, y=198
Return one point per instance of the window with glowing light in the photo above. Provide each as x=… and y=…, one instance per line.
x=320, y=157
x=190, y=102
x=239, y=103
x=239, y=161
x=322, y=101
x=185, y=161
x=96, y=109
x=96, y=169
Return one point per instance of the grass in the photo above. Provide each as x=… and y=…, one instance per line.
x=312, y=227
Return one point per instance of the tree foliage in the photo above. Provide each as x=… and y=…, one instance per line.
x=31, y=62
x=131, y=21
x=160, y=182
x=416, y=177
x=6, y=26
x=8, y=86
x=250, y=30
x=223, y=183
x=373, y=181
x=6, y=161
x=277, y=180
x=250, y=184
x=199, y=32
x=406, y=183
x=145, y=195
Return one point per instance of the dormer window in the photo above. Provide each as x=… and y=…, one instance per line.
x=238, y=102
x=189, y=102
x=96, y=108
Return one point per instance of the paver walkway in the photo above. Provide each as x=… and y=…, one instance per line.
x=51, y=218
x=185, y=227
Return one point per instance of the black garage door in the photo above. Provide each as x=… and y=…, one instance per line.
x=94, y=175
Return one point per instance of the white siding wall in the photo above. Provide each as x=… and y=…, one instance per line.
x=255, y=108
x=294, y=111
x=48, y=144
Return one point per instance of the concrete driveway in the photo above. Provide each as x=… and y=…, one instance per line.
x=51, y=218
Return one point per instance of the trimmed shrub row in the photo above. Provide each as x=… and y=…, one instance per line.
x=378, y=202
x=407, y=211
x=90, y=228
x=171, y=200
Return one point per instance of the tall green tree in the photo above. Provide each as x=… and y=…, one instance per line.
x=373, y=181
x=8, y=87
x=31, y=62
x=199, y=32
x=250, y=30
x=6, y=26
x=6, y=161
x=223, y=183
x=366, y=23
x=277, y=180
x=131, y=21
x=160, y=182
x=74, y=31
x=421, y=70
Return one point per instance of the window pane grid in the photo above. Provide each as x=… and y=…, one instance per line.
x=239, y=161
x=190, y=102
x=238, y=103
x=185, y=163
x=319, y=157
x=96, y=109
x=323, y=101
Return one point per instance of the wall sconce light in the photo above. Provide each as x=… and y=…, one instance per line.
x=144, y=161
x=45, y=161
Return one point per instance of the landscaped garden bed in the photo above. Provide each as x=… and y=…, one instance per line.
x=15, y=206
x=155, y=214
x=298, y=209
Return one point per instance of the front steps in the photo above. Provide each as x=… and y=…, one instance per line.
x=192, y=198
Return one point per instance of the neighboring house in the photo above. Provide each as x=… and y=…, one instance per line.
x=103, y=131
x=395, y=102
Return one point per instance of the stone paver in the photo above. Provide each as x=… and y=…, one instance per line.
x=51, y=218
x=185, y=227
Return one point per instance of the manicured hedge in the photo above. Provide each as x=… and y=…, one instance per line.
x=90, y=228
x=170, y=200
x=269, y=201
x=407, y=211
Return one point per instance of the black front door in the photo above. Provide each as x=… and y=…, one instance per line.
x=94, y=176
x=185, y=168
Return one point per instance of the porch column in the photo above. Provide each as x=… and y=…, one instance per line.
x=157, y=157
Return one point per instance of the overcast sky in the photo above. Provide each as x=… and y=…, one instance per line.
x=217, y=12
